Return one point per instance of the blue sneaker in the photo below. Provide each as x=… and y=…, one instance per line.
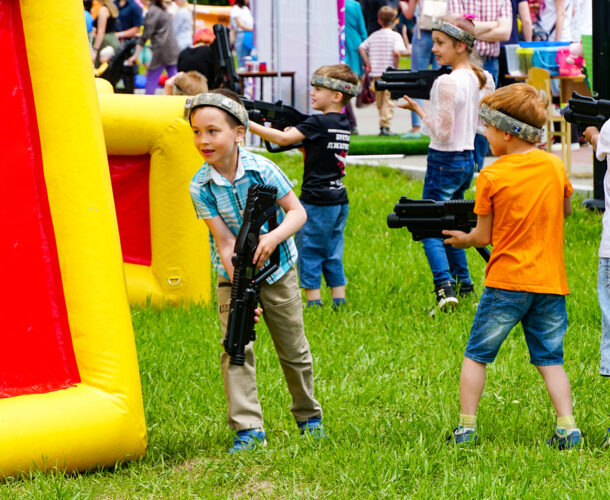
x=248, y=439
x=564, y=440
x=313, y=426
x=606, y=442
x=463, y=437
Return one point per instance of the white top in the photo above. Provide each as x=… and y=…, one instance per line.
x=452, y=114
x=244, y=14
x=602, y=152
x=548, y=18
x=380, y=47
x=582, y=23
x=183, y=27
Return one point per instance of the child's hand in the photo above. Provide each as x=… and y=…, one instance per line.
x=591, y=133
x=411, y=105
x=266, y=246
x=257, y=312
x=457, y=239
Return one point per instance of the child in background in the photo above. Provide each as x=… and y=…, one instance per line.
x=601, y=144
x=521, y=202
x=219, y=191
x=325, y=139
x=186, y=83
x=451, y=120
x=380, y=50
x=105, y=55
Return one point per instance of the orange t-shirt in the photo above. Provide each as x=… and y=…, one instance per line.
x=525, y=193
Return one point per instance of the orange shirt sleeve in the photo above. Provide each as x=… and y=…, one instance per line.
x=484, y=194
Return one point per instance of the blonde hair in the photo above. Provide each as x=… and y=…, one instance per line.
x=468, y=26
x=386, y=15
x=110, y=5
x=190, y=83
x=521, y=101
x=340, y=72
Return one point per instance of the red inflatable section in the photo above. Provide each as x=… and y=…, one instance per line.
x=36, y=352
x=130, y=182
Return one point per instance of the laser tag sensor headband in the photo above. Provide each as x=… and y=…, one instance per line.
x=511, y=125
x=220, y=101
x=454, y=32
x=334, y=84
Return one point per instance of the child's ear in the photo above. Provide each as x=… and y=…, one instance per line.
x=337, y=97
x=240, y=134
x=508, y=137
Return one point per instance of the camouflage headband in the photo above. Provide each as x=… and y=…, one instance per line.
x=220, y=101
x=511, y=125
x=454, y=32
x=334, y=84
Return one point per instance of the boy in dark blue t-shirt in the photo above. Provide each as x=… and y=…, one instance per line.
x=325, y=140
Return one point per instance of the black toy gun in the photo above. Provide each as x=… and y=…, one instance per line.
x=428, y=218
x=278, y=115
x=415, y=84
x=245, y=290
x=224, y=65
x=586, y=111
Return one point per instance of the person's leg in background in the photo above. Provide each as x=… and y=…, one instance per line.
x=351, y=118
x=481, y=146
x=152, y=79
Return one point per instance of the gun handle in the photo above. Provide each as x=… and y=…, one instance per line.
x=484, y=252
x=274, y=148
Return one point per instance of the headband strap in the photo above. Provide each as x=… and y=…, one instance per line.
x=334, y=84
x=220, y=101
x=511, y=125
x=454, y=32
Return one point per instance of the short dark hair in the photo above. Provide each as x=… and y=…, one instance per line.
x=340, y=72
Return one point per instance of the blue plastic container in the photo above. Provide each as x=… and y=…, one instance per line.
x=546, y=58
x=534, y=45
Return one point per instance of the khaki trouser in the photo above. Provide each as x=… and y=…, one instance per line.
x=283, y=313
x=385, y=107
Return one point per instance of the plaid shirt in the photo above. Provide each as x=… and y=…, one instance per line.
x=484, y=10
x=213, y=195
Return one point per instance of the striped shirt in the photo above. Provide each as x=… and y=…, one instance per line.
x=484, y=10
x=213, y=195
x=380, y=47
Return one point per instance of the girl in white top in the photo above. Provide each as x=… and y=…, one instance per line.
x=451, y=120
x=241, y=25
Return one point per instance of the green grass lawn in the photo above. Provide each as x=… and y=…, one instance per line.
x=387, y=377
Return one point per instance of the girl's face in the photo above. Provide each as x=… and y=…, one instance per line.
x=213, y=136
x=446, y=49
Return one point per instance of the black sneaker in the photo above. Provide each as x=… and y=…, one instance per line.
x=385, y=131
x=466, y=289
x=445, y=295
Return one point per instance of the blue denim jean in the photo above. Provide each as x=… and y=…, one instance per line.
x=421, y=58
x=543, y=316
x=320, y=243
x=603, y=296
x=240, y=49
x=481, y=145
x=448, y=176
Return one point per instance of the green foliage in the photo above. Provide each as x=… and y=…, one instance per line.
x=387, y=377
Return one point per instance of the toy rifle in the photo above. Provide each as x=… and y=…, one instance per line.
x=415, y=84
x=224, y=65
x=245, y=290
x=586, y=111
x=428, y=218
x=278, y=115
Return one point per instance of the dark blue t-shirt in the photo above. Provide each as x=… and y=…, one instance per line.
x=514, y=35
x=130, y=15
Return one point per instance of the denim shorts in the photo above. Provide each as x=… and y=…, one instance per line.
x=603, y=296
x=543, y=316
x=320, y=243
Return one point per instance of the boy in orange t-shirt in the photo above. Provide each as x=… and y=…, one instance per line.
x=521, y=202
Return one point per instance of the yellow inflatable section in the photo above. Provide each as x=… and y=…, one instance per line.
x=152, y=128
x=99, y=420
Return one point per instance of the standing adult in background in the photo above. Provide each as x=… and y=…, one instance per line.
x=370, y=8
x=105, y=28
x=199, y=57
x=159, y=29
x=493, y=23
x=556, y=19
x=183, y=25
x=129, y=21
x=241, y=25
x=422, y=58
x=355, y=34
x=521, y=8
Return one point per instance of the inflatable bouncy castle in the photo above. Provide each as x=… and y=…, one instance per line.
x=70, y=395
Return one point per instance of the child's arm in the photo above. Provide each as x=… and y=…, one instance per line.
x=592, y=136
x=567, y=207
x=225, y=240
x=479, y=237
x=281, y=138
x=365, y=58
x=293, y=221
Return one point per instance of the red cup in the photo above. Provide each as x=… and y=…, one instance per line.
x=262, y=66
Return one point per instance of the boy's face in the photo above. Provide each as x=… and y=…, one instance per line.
x=496, y=138
x=323, y=98
x=213, y=136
